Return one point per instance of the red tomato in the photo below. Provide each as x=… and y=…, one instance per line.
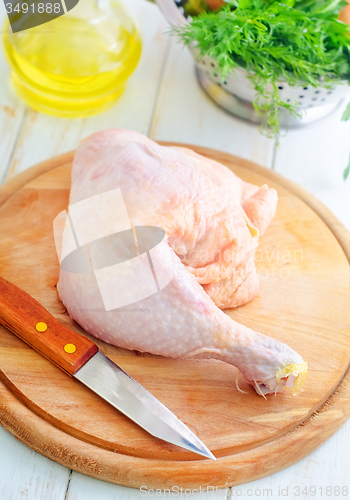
x=214, y=4
x=345, y=14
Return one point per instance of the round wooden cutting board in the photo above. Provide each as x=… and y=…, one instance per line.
x=303, y=264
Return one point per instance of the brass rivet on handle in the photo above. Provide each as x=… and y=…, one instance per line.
x=70, y=348
x=41, y=327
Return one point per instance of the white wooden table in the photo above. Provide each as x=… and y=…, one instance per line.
x=163, y=100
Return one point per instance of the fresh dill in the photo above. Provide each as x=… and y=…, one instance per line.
x=346, y=172
x=301, y=42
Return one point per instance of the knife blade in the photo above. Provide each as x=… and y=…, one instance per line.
x=80, y=358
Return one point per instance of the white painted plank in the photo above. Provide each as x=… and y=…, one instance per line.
x=327, y=467
x=11, y=110
x=26, y=475
x=85, y=488
x=184, y=114
x=44, y=136
x=315, y=157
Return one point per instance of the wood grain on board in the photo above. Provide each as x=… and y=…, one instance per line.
x=303, y=264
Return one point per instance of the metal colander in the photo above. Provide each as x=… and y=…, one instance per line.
x=236, y=94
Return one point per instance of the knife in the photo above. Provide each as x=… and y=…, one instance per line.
x=80, y=358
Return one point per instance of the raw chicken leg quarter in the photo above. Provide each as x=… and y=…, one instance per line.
x=212, y=222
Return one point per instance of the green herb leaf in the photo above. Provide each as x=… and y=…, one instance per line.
x=290, y=3
x=346, y=114
x=346, y=172
x=244, y=4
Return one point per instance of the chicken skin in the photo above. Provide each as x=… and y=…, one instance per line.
x=211, y=221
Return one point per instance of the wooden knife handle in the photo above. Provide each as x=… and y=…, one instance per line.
x=31, y=322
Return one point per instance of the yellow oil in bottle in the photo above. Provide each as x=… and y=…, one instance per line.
x=77, y=64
